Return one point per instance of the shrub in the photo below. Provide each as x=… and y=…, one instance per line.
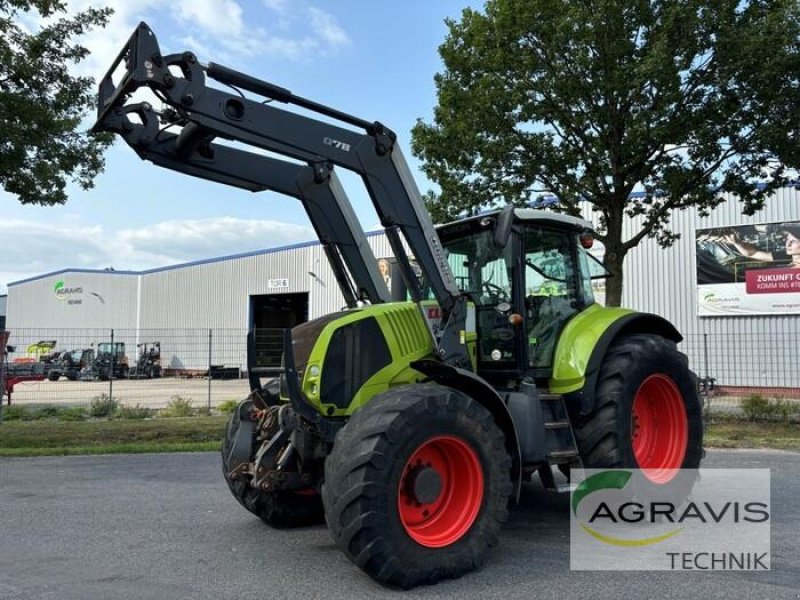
x=755, y=407
x=45, y=412
x=13, y=413
x=103, y=406
x=227, y=407
x=758, y=408
x=134, y=412
x=72, y=413
x=178, y=406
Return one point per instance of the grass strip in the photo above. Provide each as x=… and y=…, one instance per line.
x=42, y=438
x=199, y=434
x=746, y=434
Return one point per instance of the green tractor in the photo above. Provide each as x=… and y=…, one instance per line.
x=410, y=423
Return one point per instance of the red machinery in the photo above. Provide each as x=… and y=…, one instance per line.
x=10, y=375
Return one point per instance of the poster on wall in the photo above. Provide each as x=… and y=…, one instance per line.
x=748, y=270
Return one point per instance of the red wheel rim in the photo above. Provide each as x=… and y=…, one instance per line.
x=440, y=492
x=659, y=428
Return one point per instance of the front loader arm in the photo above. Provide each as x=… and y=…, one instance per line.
x=206, y=113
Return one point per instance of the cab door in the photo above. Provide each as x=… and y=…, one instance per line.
x=553, y=290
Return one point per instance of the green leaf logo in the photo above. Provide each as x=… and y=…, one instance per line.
x=615, y=480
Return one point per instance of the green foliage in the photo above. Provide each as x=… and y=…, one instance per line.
x=48, y=412
x=134, y=412
x=45, y=412
x=13, y=413
x=178, y=406
x=758, y=408
x=72, y=413
x=42, y=103
x=591, y=101
x=103, y=406
x=755, y=407
x=228, y=406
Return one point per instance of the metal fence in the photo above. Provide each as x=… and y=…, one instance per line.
x=204, y=366
x=209, y=366
x=745, y=363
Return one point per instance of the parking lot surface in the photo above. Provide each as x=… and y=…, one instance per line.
x=165, y=527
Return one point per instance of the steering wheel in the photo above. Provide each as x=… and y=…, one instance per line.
x=495, y=292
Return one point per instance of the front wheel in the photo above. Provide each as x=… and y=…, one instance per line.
x=647, y=414
x=417, y=485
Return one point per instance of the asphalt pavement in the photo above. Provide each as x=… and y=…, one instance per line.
x=164, y=526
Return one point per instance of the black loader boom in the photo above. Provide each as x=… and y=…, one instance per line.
x=205, y=115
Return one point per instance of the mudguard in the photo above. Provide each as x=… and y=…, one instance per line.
x=583, y=344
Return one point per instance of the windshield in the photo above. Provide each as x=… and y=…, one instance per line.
x=481, y=269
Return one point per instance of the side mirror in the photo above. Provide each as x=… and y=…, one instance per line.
x=502, y=230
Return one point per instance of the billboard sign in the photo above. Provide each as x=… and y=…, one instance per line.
x=748, y=270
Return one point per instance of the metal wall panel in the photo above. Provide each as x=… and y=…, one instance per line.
x=738, y=350
x=96, y=304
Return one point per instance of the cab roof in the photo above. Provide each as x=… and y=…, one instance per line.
x=558, y=220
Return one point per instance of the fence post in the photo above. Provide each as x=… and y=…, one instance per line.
x=705, y=355
x=111, y=372
x=209, y=370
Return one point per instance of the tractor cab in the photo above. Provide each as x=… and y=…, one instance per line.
x=525, y=283
x=110, y=361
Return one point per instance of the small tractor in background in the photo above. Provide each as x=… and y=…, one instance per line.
x=148, y=363
x=41, y=351
x=70, y=363
x=110, y=361
x=410, y=422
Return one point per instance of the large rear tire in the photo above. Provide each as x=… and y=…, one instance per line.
x=279, y=509
x=647, y=413
x=417, y=485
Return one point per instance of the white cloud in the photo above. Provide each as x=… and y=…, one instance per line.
x=33, y=249
x=179, y=241
x=215, y=17
x=279, y=6
x=326, y=26
x=225, y=29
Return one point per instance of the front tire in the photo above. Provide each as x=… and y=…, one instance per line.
x=647, y=414
x=279, y=509
x=417, y=485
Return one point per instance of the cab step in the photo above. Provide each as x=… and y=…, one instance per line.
x=560, y=444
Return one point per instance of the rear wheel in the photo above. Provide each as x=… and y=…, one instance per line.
x=280, y=509
x=647, y=413
x=417, y=485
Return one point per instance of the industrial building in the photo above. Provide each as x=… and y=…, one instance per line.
x=699, y=284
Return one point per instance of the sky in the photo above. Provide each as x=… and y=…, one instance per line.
x=376, y=60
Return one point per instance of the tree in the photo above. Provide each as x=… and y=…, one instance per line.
x=42, y=104
x=591, y=101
